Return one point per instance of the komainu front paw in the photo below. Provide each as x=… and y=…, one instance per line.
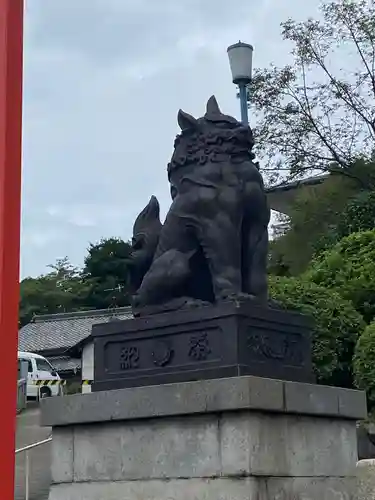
x=136, y=301
x=235, y=297
x=194, y=303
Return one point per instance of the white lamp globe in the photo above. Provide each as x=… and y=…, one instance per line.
x=241, y=62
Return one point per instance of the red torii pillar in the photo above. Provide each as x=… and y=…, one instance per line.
x=11, y=51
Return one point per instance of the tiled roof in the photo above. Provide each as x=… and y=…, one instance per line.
x=65, y=363
x=64, y=330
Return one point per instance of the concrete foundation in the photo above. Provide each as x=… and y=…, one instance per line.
x=366, y=480
x=243, y=438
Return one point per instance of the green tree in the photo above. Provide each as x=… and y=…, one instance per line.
x=317, y=114
x=336, y=326
x=312, y=222
x=106, y=273
x=359, y=215
x=349, y=268
x=364, y=363
x=60, y=290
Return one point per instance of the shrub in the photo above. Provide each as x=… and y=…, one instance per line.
x=336, y=326
x=364, y=363
x=359, y=215
x=349, y=268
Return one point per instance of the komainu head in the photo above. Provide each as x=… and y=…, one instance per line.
x=215, y=137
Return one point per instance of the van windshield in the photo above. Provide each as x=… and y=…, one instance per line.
x=43, y=365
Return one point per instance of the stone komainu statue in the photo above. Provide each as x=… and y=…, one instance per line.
x=213, y=244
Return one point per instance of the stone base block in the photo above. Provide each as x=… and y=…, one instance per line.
x=366, y=479
x=210, y=489
x=220, y=439
x=232, y=445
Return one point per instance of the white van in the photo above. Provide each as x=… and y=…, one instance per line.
x=39, y=369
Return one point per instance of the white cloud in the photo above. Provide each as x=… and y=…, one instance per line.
x=39, y=239
x=86, y=215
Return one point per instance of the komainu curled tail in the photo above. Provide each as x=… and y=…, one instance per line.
x=146, y=232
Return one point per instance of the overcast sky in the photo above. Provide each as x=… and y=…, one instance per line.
x=104, y=80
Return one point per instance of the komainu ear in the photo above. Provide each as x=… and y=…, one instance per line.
x=212, y=106
x=186, y=121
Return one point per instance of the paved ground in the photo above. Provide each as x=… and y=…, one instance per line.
x=28, y=432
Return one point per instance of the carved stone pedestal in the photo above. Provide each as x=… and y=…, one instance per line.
x=228, y=340
x=242, y=438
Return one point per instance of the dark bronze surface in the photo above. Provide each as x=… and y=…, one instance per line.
x=226, y=340
x=200, y=299
x=213, y=244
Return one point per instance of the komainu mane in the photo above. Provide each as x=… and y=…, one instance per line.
x=213, y=244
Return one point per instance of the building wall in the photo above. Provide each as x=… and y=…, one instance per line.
x=87, y=365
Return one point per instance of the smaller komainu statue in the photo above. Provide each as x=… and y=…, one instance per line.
x=213, y=244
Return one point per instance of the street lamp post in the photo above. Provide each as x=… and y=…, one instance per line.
x=241, y=61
